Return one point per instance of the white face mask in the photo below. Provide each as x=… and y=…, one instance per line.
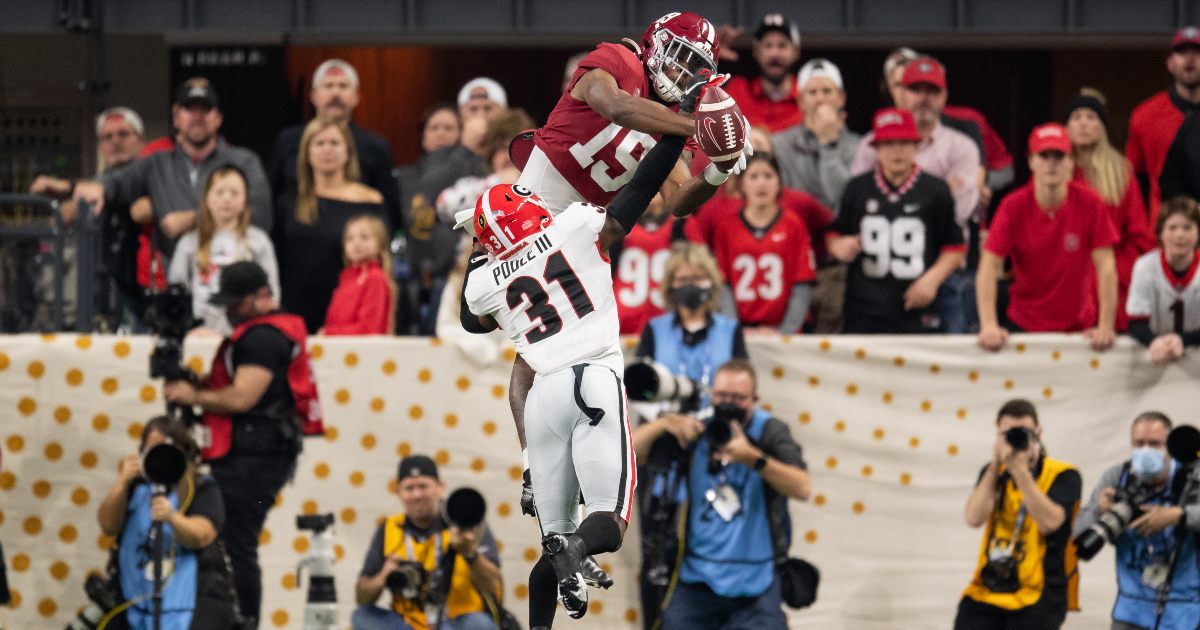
x=1146, y=462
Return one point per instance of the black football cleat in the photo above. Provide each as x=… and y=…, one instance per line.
x=594, y=575
x=566, y=556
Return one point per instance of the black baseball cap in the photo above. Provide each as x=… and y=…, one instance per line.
x=777, y=22
x=237, y=281
x=196, y=91
x=417, y=466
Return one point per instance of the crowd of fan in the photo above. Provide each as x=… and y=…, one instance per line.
x=900, y=230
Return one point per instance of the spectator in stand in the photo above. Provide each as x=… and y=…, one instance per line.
x=896, y=230
x=430, y=244
x=463, y=193
x=1052, y=229
x=365, y=298
x=479, y=101
x=1103, y=169
x=770, y=100
x=571, y=67
x=764, y=252
x=120, y=137
x=224, y=236
x=334, y=96
x=1164, y=297
x=1155, y=122
x=1181, y=168
x=171, y=178
x=815, y=157
x=640, y=265
x=893, y=72
x=312, y=219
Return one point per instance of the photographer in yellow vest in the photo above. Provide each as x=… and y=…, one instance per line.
x=409, y=553
x=1025, y=501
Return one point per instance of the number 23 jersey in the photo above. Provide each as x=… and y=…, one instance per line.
x=554, y=298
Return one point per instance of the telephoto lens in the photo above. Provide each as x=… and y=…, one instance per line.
x=1018, y=438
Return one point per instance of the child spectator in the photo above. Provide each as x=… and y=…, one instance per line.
x=365, y=297
x=222, y=237
x=1164, y=297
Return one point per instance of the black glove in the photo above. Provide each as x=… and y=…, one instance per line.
x=527, y=506
x=700, y=81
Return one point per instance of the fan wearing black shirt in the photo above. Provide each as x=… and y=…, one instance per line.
x=896, y=229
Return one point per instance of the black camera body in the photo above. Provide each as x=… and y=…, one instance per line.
x=1019, y=437
x=1111, y=524
x=103, y=595
x=315, y=523
x=169, y=317
x=408, y=581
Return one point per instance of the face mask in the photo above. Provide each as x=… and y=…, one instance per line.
x=729, y=411
x=1146, y=463
x=690, y=296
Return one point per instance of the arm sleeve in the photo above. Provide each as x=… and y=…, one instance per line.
x=777, y=442
x=965, y=158
x=487, y=547
x=630, y=204
x=470, y=321
x=849, y=217
x=739, y=344
x=265, y=347
x=1139, y=329
x=950, y=235
x=998, y=240
x=1191, y=338
x=833, y=168
x=207, y=503
x=125, y=184
x=183, y=260
x=797, y=309
x=1089, y=513
x=1065, y=491
x=1172, y=181
x=646, y=343
x=728, y=304
x=262, y=213
x=373, y=562
x=1139, y=304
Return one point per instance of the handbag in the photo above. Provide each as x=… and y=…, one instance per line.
x=798, y=581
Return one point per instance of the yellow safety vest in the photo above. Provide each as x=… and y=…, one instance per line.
x=463, y=597
x=1030, y=550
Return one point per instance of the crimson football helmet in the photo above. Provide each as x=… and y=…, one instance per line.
x=684, y=42
x=507, y=216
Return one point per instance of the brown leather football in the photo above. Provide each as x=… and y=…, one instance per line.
x=720, y=127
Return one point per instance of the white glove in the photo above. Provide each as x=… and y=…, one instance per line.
x=747, y=150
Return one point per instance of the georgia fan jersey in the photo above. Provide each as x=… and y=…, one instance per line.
x=760, y=266
x=554, y=297
x=640, y=269
x=1156, y=293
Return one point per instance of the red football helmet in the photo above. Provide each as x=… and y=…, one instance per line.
x=507, y=216
x=682, y=41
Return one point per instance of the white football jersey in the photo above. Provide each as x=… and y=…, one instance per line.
x=554, y=298
x=1171, y=304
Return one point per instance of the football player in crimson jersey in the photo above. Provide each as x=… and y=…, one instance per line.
x=764, y=252
x=1164, y=294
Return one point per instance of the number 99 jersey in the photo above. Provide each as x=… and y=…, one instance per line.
x=554, y=297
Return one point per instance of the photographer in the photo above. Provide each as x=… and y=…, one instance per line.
x=196, y=589
x=1138, y=502
x=258, y=399
x=1026, y=577
x=405, y=554
x=737, y=527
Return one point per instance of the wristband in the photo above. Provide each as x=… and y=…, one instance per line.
x=760, y=463
x=525, y=458
x=714, y=176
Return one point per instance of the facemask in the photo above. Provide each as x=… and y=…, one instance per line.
x=691, y=296
x=729, y=411
x=1146, y=463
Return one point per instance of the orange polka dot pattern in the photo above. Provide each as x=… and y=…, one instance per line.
x=891, y=427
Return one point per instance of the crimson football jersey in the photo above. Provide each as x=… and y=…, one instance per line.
x=594, y=155
x=760, y=265
x=644, y=254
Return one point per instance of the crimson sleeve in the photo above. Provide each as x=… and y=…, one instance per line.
x=1104, y=233
x=999, y=240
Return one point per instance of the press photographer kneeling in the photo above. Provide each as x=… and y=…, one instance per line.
x=1026, y=577
x=1145, y=508
x=409, y=555
x=743, y=466
x=195, y=584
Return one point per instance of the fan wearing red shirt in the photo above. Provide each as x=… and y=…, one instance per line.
x=640, y=266
x=363, y=303
x=764, y=252
x=1154, y=123
x=1054, y=231
x=770, y=99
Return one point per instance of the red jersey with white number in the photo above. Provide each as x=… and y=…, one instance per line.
x=554, y=297
x=639, y=271
x=760, y=265
x=595, y=155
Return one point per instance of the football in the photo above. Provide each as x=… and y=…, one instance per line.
x=720, y=127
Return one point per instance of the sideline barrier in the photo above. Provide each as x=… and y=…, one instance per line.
x=894, y=430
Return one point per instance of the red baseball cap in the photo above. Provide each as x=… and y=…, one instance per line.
x=1186, y=36
x=1049, y=137
x=894, y=124
x=924, y=70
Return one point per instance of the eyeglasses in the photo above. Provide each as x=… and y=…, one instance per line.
x=720, y=397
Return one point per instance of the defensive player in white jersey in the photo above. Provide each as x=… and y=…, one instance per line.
x=546, y=281
x=1164, y=292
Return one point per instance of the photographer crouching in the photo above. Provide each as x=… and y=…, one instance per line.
x=195, y=584
x=1026, y=577
x=258, y=400
x=1138, y=506
x=742, y=467
x=406, y=558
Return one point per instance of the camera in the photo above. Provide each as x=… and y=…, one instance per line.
x=1018, y=438
x=320, y=606
x=315, y=523
x=999, y=575
x=103, y=596
x=169, y=317
x=407, y=581
x=647, y=381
